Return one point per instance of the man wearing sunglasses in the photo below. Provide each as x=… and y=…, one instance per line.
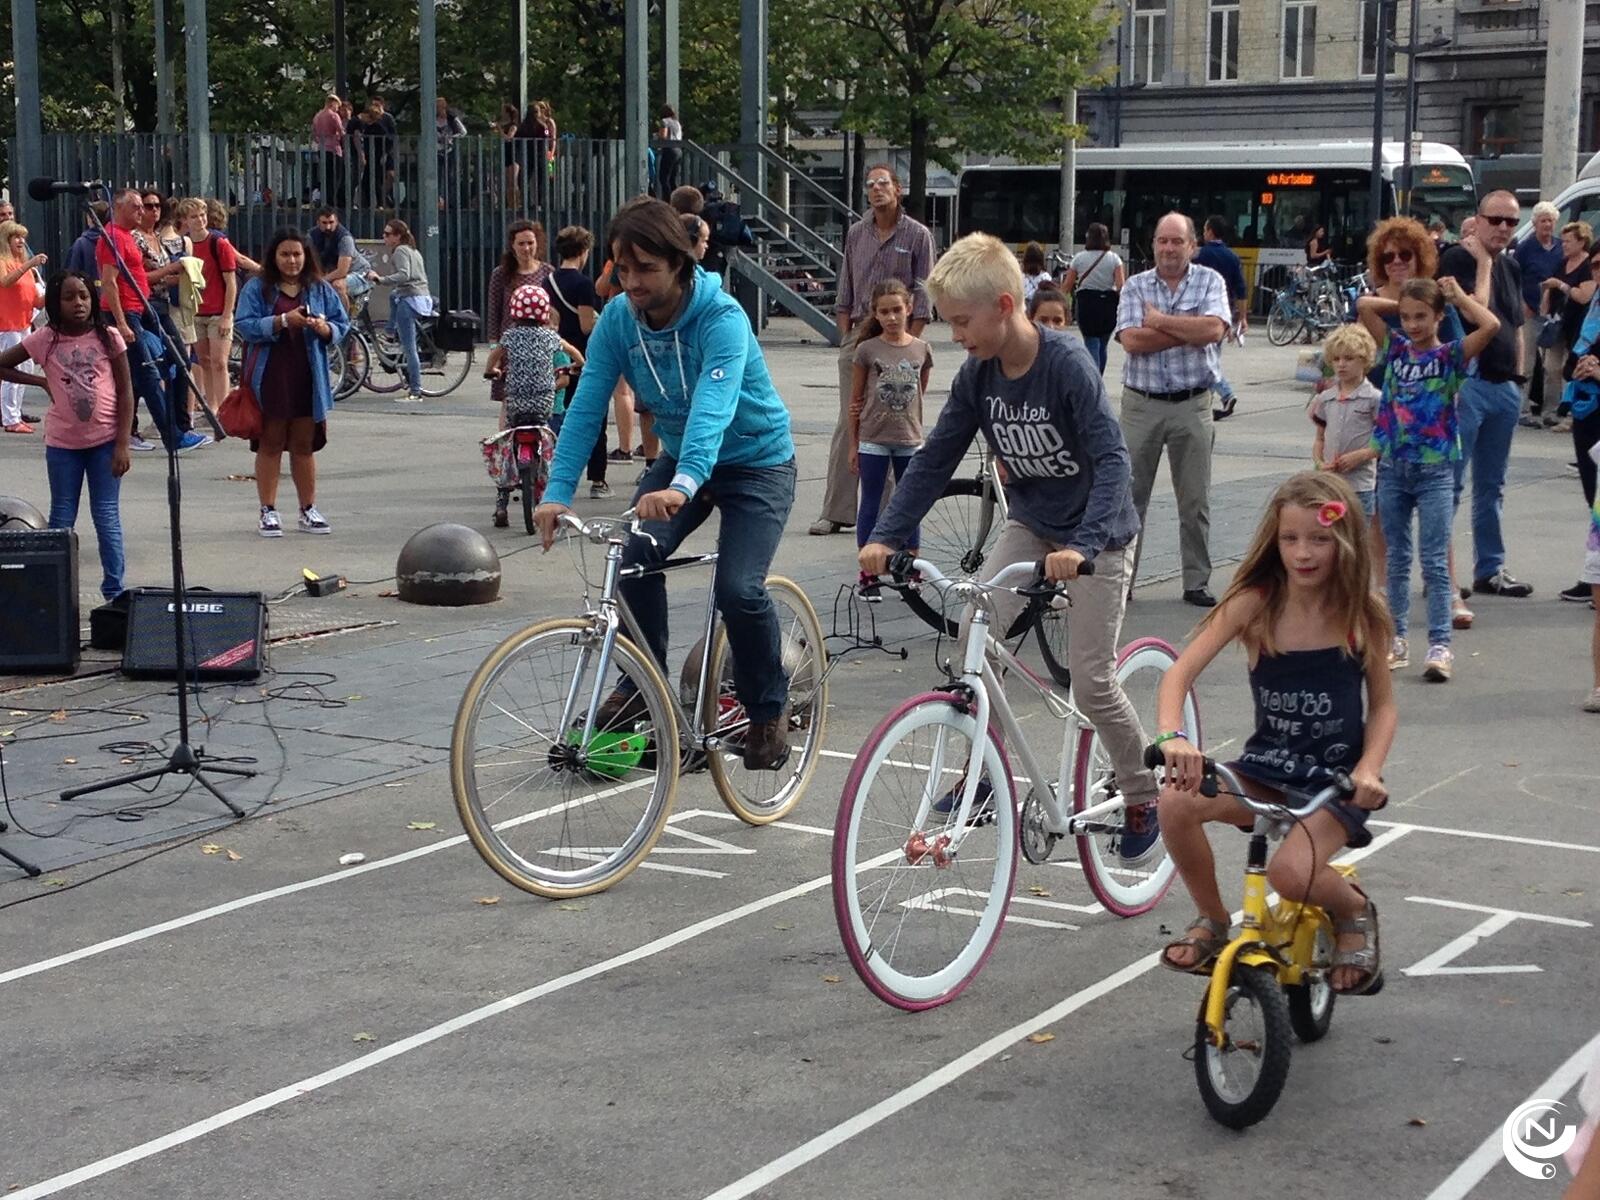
x=1490, y=400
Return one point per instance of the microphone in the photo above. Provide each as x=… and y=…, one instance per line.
x=47, y=189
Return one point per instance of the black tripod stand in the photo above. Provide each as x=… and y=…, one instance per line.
x=185, y=759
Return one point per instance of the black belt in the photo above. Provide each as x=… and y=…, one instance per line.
x=1172, y=397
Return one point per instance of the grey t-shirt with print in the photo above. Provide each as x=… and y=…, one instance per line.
x=1070, y=481
x=1347, y=425
x=892, y=415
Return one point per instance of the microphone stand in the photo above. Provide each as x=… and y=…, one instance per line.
x=185, y=760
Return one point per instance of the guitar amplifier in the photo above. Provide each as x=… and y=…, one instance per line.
x=225, y=635
x=38, y=600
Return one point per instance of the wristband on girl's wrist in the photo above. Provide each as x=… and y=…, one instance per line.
x=1163, y=738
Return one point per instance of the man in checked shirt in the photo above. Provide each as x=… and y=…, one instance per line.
x=1171, y=321
x=885, y=245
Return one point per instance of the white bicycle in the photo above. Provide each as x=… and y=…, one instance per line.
x=925, y=845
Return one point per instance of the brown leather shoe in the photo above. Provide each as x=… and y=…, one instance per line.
x=620, y=709
x=766, y=748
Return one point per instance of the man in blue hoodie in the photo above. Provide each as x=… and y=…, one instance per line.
x=687, y=350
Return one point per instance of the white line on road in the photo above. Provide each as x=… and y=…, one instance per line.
x=1481, y=1161
x=832, y=1138
x=365, y=1062
x=1488, y=837
x=1435, y=786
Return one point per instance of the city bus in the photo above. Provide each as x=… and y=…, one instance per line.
x=1274, y=193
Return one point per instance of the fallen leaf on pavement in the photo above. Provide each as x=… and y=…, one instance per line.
x=1513, y=764
x=54, y=881
x=1039, y=891
x=70, y=761
x=234, y=856
x=1417, y=1121
x=391, y=592
x=19, y=712
x=241, y=478
x=1040, y=1038
x=423, y=825
x=570, y=907
x=487, y=900
x=363, y=1037
x=782, y=925
x=357, y=696
x=830, y=979
x=59, y=715
x=211, y=848
x=1573, y=892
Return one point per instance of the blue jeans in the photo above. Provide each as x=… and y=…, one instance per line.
x=755, y=504
x=1426, y=489
x=148, y=376
x=1097, y=351
x=66, y=470
x=403, y=320
x=1488, y=413
x=872, y=470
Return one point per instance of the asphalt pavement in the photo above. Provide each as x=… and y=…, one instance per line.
x=197, y=1006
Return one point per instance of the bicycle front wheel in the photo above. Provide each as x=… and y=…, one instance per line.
x=918, y=915
x=761, y=797
x=1242, y=1079
x=1283, y=324
x=1127, y=887
x=958, y=534
x=552, y=812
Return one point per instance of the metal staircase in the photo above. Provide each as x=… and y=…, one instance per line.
x=798, y=251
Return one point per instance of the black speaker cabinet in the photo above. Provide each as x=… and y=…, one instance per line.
x=225, y=635
x=38, y=600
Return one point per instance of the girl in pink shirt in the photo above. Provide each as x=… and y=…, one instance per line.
x=86, y=427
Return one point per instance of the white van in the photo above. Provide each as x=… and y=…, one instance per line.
x=1580, y=200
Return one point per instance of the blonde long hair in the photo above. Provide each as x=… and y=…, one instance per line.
x=1362, y=615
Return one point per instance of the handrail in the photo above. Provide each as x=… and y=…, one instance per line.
x=834, y=254
x=742, y=263
x=772, y=156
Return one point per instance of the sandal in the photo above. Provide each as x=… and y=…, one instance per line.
x=1364, y=958
x=1208, y=945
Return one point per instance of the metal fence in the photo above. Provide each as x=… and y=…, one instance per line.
x=271, y=180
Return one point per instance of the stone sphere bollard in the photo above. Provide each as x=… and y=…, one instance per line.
x=448, y=564
x=17, y=513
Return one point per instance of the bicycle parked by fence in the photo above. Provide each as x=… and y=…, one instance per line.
x=930, y=822
x=562, y=804
x=1311, y=305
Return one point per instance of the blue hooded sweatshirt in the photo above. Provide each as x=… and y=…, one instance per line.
x=704, y=379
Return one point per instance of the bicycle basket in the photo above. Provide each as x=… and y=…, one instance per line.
x=456, y=330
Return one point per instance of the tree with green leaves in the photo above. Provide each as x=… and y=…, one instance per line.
x=942, y=76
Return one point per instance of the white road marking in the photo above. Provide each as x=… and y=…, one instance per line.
x=416, y=1041
x=846, y=1130
x=1481, y=1161
x=1438, y=962
x=1434, y=787
x=1488, y=837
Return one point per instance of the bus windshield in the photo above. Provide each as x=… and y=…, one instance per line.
x=1444, y=192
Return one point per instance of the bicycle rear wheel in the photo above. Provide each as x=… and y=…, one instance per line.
x=549, y=812
x=761, y=797
x=1126, y=888
x=917, y=924
x=442, y=370
x=957, y=535
x=386, y=364
x=356, y=352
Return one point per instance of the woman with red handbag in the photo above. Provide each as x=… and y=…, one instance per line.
x=289, y=318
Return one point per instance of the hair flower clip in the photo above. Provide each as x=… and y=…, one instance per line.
x=1330, y=512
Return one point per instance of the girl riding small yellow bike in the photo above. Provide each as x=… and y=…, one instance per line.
x=1302, y=604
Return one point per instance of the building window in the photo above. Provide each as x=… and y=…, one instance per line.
x=1299, y=39
x=1493, y=129
x=1149, y=50
x=1373, y=38
x=1222, y=42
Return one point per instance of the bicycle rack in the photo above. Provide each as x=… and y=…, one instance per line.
x=858, y=632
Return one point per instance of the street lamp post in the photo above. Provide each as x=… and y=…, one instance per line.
x=1381, y=49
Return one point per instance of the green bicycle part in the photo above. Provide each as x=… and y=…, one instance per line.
x=612, y=754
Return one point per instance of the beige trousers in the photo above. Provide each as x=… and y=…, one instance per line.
x=839, y=500
x=1185, y=430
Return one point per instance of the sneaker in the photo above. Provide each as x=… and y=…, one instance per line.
x=139, y=445
x=409, y=398
x=982, y=802
x=1399, y=656
x=1461, y=617
x=1141, y=831
x=311, y=521
x=270, y=525
x=1529, y=422
x=619, y=455
x=1592, y=704
x=1438, y=665
x=502, y=518
x=1577, y=593
x=193, y=441
x=600, y=491
x=868, y=589
x=1501, y=584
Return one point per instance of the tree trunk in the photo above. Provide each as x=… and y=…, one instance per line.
x=118, y=95
x=917, y=186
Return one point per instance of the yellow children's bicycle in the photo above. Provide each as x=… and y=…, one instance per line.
x=1271, y=981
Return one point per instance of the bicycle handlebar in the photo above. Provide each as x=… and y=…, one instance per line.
x=902, y=563
x=599, y=530
x=1340, y=788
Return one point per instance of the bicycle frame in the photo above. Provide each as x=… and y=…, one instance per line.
x=1280, y=937
x=613, y=613
x=981, y=653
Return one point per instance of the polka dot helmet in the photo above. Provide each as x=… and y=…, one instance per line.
x=530, y=303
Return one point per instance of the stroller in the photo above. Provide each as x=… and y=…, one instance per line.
x=519, y=458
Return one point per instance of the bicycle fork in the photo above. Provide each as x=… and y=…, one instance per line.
x=944, y=848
